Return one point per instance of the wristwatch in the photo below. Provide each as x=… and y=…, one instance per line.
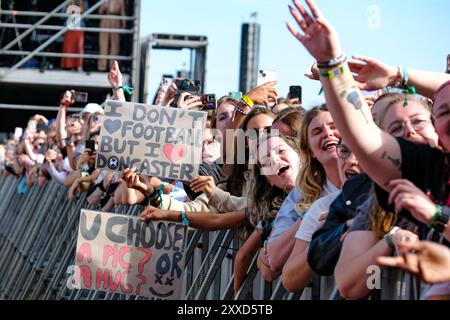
x=441, y=220
x=388, y=237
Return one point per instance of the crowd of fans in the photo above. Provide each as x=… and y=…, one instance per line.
x=358, y=181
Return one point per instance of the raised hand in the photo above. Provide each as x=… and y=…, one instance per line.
x=372, y=74
x=430, y=261
x=370, y=100
x=115, y=76
x=314, y=75
x=85, y=156
x=189, y=102
x=67, y=99
x=264, y=93
x=319, y=37
x=51, y=156
x=135, y=181
x=406, y=196
x=170, y=94
x=40, y=118
x=203, y=184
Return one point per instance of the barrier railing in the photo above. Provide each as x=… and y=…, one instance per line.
x=38, y=234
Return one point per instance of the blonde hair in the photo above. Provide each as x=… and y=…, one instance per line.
x=312, y=176
x=382, y=221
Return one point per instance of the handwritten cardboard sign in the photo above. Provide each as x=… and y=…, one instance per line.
x=158, y=141
x=122, y=254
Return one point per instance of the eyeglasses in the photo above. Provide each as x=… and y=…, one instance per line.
x=343, y=152
x=417, y=124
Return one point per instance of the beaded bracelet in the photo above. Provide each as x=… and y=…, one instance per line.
x=241, y=111
x=332, y=63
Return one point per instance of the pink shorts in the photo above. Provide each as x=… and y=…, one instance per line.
x=438, y=289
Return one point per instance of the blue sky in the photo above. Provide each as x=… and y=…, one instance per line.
x=414, y=34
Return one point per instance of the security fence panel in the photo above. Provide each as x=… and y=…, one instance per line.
x=38, y=240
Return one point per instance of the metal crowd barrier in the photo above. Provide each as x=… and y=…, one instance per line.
x=38, y=234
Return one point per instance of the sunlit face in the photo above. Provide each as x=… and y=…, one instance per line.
x=255, y=128
x=323, y=138
x=441, y=113
x=224, y=114
x=260, y=121
x=73, y=126
x=279, y=163
x=412, y=122
x=348, y=165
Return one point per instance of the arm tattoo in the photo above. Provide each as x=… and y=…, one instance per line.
x=395, y=162
x=355, y=100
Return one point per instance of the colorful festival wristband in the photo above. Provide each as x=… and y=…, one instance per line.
x=436, y=215
x=248, y=101
x=405, y=77
x=335, y=72
x=332, y=63
x=126, y=89
x=184, y=219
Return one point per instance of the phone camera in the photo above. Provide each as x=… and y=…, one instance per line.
x=184, y=85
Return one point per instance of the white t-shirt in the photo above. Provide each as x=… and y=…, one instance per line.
x=288, y=213
x=310, y=222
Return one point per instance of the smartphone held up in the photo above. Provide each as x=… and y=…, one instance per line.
x=265, y=76
x=295, y=94
x=208, y=102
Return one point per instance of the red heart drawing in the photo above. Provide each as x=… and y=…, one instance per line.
x=174, y=153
